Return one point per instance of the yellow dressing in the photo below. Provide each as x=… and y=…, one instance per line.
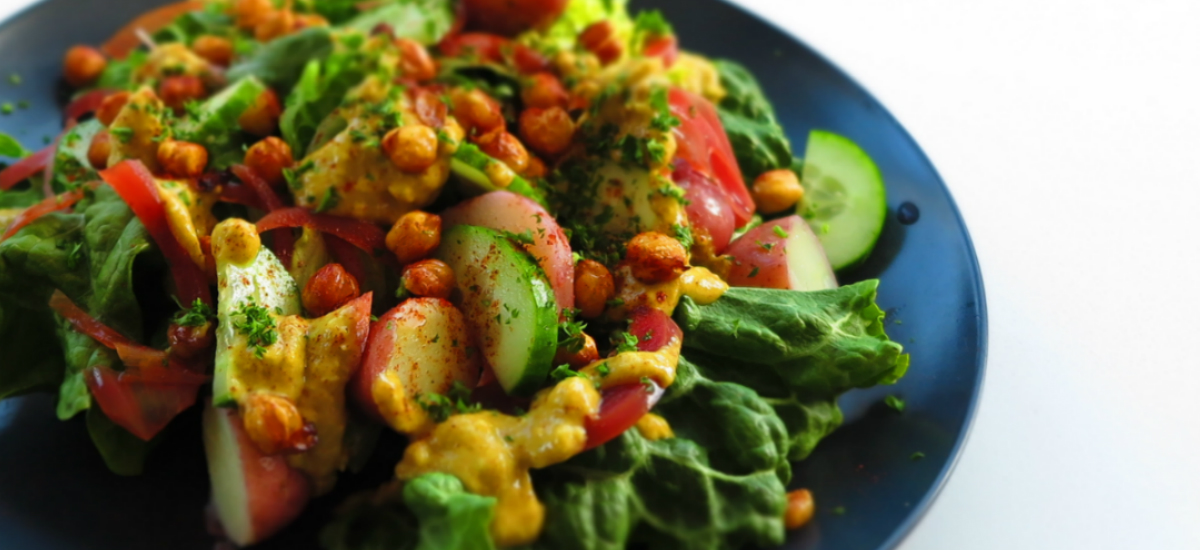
x=697, y=283
x=491, y=453
x=189, y=214
x=137, y=129
x=654, y=427
x=172, y=59
x=630, y=367
x=401, y=411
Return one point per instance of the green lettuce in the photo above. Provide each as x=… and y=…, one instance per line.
x=214, y=123
x=32, y=360
x=425, y=21
x=798, y=350
x=71, y=165
x=10, y=147
x=280, y=62
x=431, y=512
x=187, y=27
x=563, y=34
x=759, y=142
x=321, y=88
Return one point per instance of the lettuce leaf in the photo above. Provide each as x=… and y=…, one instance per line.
x=431, y=512
x=32, y=358
x=425, y=21
x=280, y=62
x=563, y=34
x=798, y=350
x=187, y=27
x=321, y=88
x=759, y=142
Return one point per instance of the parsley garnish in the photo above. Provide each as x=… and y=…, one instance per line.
x=603, y=369
x=329, y=200
x=123, y=134
x=6, y=108
x=754, y=272
x=456, y=401
x=917, y=456
x=895, y=403
x=683, y=234
x=675, y=192
x=570, y=335
x=563, y=372
x=257, y=325
x=625, y=342
x=14, y=79
x=783, y=234
x=194, y=316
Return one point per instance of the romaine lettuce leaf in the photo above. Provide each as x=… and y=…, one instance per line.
x=280, y=62
x=759, y=142
x=321, y=88
x=425, y=21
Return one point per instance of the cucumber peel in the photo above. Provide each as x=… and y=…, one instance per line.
x=470, y=164
x=845, y=201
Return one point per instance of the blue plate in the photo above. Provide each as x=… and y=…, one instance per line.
x=870, y=487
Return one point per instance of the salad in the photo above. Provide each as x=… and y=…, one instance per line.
x=580, y=270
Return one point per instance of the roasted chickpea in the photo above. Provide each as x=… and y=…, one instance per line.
x=306, y=20
x=108, y=110
x=275, y=424
x=262, y=117
x=593, y=288
x=536, y=169
x=268, y=158
x=505, y=148
x=800, y=509
x=415, y=236
x=248, y=14
x=600, y=38
x=429, y=108
x=215, y=49
x=189, y=342
x=278, y=23
x=175, y=91
x=547, y=131
x=99, y=150
x=543, y=91
x=82, y=65
x=415, y=62
x=776, y=191
x=411, y=148
x=330, y=288
x=182, y=159
x=581, y=357
x=655, y=258
x=429, y=278
x=476, y=111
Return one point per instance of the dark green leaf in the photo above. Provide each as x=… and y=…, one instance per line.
x=123, y=452
x=425, y=21
x=759, y=143
x=280, y=62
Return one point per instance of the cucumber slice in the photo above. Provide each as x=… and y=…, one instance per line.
x=470, y=165
x=845, y=201
x=508, y=301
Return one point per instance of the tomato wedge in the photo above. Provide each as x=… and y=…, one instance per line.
x=702, y=142
x=365, y=235
x=25, y=168
x=52, y=204
x=489, y=48
x=149, y=393
x=666, y=47
x=126, y=39
x=136, y=186
x=708, y=204
x=284, y=241
x=83, y=105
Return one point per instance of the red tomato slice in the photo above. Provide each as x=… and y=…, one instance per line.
x=84, y=104
x=708, y=204
x=487, y=47
x=52, y=204
x=134, y=183
x=365, y=235
x=126, y=39
x=666, y=47
x=25, y=168
x=620, y=408
x=284, y=241
x=653, y=328
x=528, y=60
x=702, y=142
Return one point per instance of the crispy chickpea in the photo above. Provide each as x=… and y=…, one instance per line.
x=429, y=278
x=547, y=131
x=268, y=158
x=776, y=191
x=799, y=509
x=505, y=148
x=262, y=117
x=99, y=149
x=476, y=111
x=215, y=49
x=655, y=258
x=581, y=357
x=536, y=169
x=593, y=288
x=415, y=236
x=276, y=24
x=175, y=91
x=108, y=110
x=600, y=38
x=82, y=65
x=306, y=20
x=329, y=288
x=411, y=148
x=429, y=107
x=188, y=342
x=415, y=62
x=248, y=14
x=544, y=90
x=275, y=424
x=182, y=159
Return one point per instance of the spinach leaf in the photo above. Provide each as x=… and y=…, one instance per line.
x=33, y=360
x=758, y=140
x=10, y=147
x=798, y=350
x=20, y=199
x=123, y=452
x=321, y=88
x=425, y=21
x=192, y=24
x=118, y=74
x=280, y=62
x=432, y=512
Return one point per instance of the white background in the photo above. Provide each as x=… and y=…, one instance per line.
x=1069, y=133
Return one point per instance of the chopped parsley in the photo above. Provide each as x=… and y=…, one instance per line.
x=917, y=456
x=783, y=234
x=329, y=200
x=674, y=191
x=603, y=369
x=650, y=385
x=563, y=372
x=652, y=23
x=838, y=511
x=764, y=246
x=14, y=79
x=195, y=315
x=625, y=342
x=895, y=403
x=456, y=401
x=6, y=108
x=683, y=234
x=123, y=134
x=292, y=175
x=753, y=272
x=193, y=109
x=257, y=325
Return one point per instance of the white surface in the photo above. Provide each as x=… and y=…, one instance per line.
x=1069, y=133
